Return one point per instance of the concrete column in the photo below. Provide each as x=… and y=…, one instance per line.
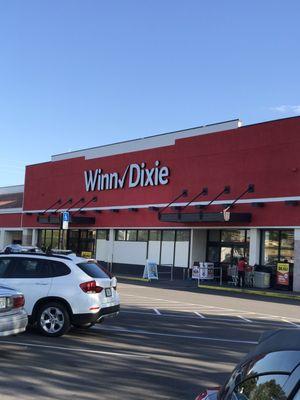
x=254, y=247
x=198, y=245
x=296, y=285
x=2, y=240
x=34, y=239
x=110, y=257
x=27, y=237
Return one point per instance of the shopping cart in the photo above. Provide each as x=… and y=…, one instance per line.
x=232, y=273
x=249, y=276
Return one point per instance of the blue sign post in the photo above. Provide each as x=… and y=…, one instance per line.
x=65, y=219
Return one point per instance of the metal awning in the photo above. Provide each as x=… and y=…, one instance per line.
x=205, y=217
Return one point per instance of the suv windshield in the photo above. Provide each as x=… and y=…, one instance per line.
x=92, y=269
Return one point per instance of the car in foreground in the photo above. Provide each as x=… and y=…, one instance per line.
x=270, y=371
x=13, y=317
x=60, y=290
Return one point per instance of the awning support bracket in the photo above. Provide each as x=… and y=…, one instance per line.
x=184, y=193
x=250, y=189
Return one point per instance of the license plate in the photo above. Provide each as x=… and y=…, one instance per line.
x=2, y=302
x=108, y=292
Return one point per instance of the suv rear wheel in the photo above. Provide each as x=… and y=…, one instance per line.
x=53, y=319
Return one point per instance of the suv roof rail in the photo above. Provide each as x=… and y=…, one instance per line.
x=28, y=253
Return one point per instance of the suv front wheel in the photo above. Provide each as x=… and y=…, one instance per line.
x=53, y=319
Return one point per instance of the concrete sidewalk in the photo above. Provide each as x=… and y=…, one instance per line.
x=192, y=285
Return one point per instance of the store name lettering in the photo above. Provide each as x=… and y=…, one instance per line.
x=134, y=175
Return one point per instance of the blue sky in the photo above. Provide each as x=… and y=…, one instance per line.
x=76, y=74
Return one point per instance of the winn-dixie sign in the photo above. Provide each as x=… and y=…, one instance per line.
x=134, y=175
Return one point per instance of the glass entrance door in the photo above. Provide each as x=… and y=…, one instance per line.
x=80, y=240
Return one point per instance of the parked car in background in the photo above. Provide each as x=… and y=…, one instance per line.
x=17, y=248
x=60, y=290
x=13, y=317
x=270, y=371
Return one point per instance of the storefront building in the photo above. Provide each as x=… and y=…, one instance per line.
x=213, y=193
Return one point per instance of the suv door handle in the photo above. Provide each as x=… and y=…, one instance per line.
x=41, y=283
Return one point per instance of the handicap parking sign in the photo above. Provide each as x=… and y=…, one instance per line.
x=66, y=216
x=65, y=220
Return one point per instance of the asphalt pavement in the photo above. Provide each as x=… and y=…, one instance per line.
x=165, y=344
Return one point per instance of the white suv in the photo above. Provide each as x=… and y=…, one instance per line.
x=60, y=291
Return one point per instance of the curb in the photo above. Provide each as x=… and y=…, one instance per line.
x=254, y=292
x=132, y=278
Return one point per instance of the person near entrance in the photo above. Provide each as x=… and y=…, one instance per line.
x=241, y=266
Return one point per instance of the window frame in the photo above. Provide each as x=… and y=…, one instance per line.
x=105, y=233
x=131, y=239
x=279, y=248
x=147, y=235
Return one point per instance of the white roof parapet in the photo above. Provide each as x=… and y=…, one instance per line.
x=12, y=189
x=150, y=142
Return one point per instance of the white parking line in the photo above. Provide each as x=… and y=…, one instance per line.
x=199, y=315
x=188, y=315
x=156, y=311
x=206, y=317
x=209, y=309
x=142, y=332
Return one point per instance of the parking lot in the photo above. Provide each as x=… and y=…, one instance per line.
x=165, y=344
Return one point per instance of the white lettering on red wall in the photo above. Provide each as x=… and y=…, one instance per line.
x=134, y=175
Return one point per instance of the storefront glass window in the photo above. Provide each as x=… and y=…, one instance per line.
x=142, y=236
x=227, y=246
x=277, y=245
x=154, y=235
x=83, y=234
x=103, y=234
x=168, y=236
x=182, y=235
x=48, y=238
x=233, y=235
x=131, y=235
x=214, y=235
x=225, y=255
x=55, y=239
x=120, y=234
x=238, y=252
x=287, y=240
x=287, y=255
x=74, y=233
x=248, y=235
x=91, y=234
x=213, y=254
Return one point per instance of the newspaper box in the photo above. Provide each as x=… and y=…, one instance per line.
x=196, y=270
x=206, y=271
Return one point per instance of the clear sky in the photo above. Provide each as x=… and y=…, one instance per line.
x=82, y=73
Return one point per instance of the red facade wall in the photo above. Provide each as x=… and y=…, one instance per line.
x=10, y=220
x=266, y=155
